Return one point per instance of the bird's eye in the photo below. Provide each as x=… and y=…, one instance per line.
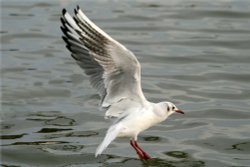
x=173, y=108
x=168, y=108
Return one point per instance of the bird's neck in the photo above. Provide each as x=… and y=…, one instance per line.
x=155, y=114
x=160, y=111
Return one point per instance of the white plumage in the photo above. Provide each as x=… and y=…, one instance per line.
x=116, y=74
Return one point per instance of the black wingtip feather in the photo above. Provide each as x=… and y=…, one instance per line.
x=62, y=21
x=67, y=44
x=64, y=11
x=66, y=33
x=75, y=11
x=64, y=30
x=65, y=39
x=77, y=22
x=74, y=57
x=78, y=7
x=68, y=47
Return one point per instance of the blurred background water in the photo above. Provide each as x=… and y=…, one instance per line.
x=194, y=53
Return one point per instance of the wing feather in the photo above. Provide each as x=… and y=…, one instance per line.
x=112, y=69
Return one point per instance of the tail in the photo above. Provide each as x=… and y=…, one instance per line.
x=111, y=134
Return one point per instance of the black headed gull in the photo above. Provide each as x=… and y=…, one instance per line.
x=116, y=74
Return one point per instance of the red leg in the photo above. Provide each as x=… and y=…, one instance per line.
x=146, y=156
x=139, y=153
x=142, y=154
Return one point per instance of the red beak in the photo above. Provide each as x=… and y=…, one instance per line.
x=179, y=111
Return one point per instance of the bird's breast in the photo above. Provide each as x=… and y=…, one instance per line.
x=138, y=122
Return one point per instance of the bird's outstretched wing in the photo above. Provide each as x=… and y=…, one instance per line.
x=113, y=69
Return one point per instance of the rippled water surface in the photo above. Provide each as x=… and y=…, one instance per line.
x=194, y=53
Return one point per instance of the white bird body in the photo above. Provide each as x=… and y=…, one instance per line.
x=135, y=122
x=116, y=74
x=132, y=122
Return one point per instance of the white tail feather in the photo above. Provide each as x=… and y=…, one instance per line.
x=111, y=134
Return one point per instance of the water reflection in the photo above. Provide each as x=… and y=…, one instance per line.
x=177, y=154
x=61, y=121
x=8, y=137
x=38, y=143
x=244, y=147
x=165, y=163
x=152, y=138
x=55, y=149
x=154, y=162
x=51, y=130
